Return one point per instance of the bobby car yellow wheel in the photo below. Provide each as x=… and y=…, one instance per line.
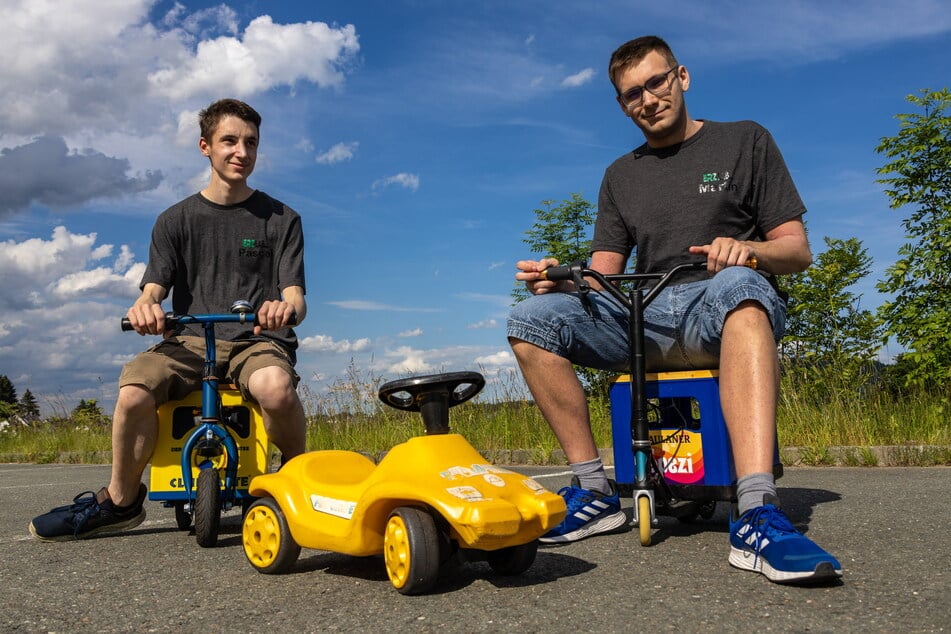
x=268, y=543
x=411, y=550
x=644, y=519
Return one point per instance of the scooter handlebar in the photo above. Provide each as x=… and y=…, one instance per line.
x=569, y=271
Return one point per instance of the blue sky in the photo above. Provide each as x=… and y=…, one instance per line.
x=415, y=137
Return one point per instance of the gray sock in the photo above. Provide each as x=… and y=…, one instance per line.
x=591, y=476
x=750, y=490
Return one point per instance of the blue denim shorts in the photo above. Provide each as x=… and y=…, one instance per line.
x=682, y=325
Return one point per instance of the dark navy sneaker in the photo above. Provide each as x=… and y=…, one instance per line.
x=589, y=513
x=764, y=540
x=89, y=514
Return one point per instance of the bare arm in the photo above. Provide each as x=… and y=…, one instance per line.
x=785, y=250
x=146, y=314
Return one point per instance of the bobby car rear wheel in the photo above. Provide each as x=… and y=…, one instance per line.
x=513, y=560
x=268, y=543
x=411, y=550
x=207, y=507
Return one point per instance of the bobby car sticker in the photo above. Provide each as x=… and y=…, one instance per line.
x=331, y=506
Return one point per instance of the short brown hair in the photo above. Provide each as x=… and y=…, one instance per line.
x=209, y=118
x=631, y=52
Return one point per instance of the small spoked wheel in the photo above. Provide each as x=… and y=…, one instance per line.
x=644, y=519
x=513, y=560
x=207, y=507
x=183, y=519
x=411, y=550
x=268, y=543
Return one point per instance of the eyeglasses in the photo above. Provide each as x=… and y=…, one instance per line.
x=658, y=85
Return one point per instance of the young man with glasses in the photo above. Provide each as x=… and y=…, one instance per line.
x=695, y=190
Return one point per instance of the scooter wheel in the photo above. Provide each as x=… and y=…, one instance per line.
x=268, y=543
x=207, y=507
x=644, y=519
x=183, y=519
x=513, y=560
x=411, y=550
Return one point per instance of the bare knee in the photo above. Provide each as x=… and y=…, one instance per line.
x=273, y=389
x=748, y=314
x=528, y=351
x=134, y=399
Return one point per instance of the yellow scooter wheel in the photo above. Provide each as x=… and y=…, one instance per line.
x=644, y=519
x=411, y=550
x=268, y=543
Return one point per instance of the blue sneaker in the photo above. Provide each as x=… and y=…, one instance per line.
x=764, y=540
x=589, y=513
x=89, y=514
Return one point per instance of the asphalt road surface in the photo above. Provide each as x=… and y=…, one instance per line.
x=888, y=526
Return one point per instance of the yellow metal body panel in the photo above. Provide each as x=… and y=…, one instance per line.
x=340, y=500
x=166, y=480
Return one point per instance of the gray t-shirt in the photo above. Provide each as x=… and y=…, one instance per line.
x=727, y=180
x=211, y=255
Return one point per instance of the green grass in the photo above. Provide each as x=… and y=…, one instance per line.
x=349, y=416
x=873, y=419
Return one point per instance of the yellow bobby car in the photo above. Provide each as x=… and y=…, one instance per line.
x=428, y=500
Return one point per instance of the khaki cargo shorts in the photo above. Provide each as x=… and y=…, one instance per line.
x=173, y=369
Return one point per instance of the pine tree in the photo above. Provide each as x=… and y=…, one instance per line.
x=28, y=406
x=8, y=393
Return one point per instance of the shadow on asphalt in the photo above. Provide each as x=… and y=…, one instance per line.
x=798, y=504
x=455, y=575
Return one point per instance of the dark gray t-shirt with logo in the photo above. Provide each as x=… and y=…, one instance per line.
x=211, y=255
x=727, y=180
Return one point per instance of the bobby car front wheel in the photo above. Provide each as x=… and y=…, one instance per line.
x=268, y=544
x=207, y=507
x=513, y=560
x=411, y=550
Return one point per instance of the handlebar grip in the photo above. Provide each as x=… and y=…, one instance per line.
x=556, y=273
x=126, y=324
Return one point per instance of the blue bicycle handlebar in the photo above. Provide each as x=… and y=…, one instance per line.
x=172, y=320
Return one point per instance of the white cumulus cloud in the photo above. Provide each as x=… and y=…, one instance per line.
x=326, y=343
x=338, y=153
x=407, y=181
x=269, y=54
x=578, y=79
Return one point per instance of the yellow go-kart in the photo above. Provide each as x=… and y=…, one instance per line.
x=429, y=500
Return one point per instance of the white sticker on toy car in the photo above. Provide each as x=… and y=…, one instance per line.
x=469, y=494
x=453, y=473
x=331, y=506
x=493, y=479
x=534, y=486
